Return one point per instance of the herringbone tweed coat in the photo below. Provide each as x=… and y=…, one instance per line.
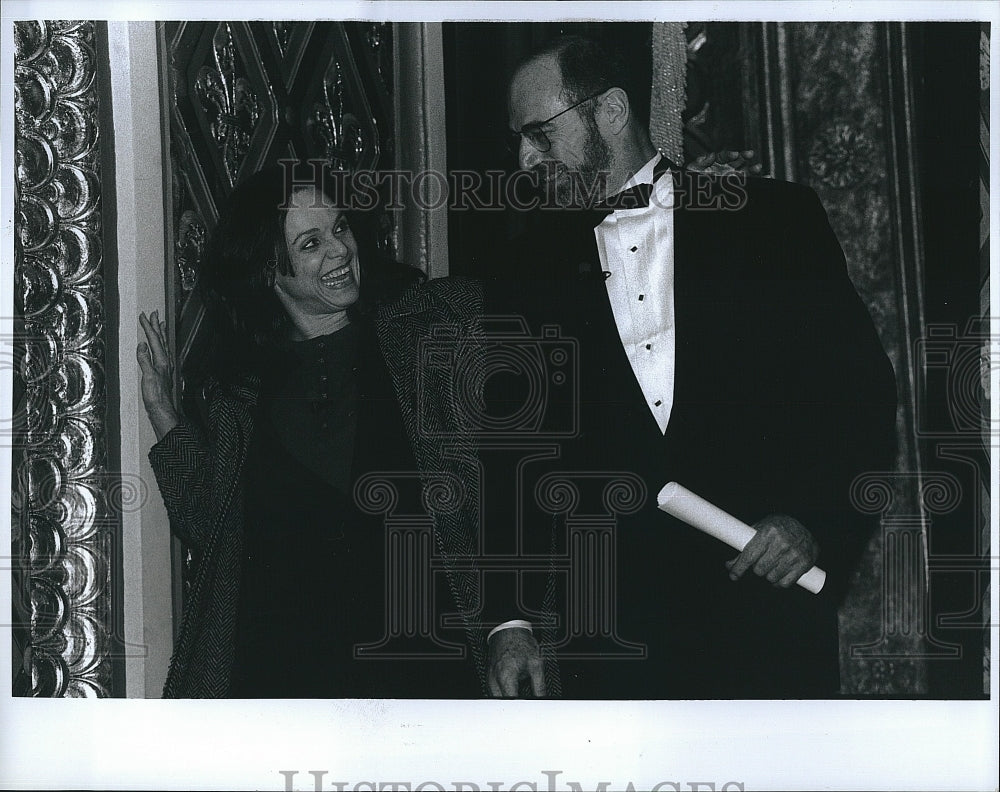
x=200, y=477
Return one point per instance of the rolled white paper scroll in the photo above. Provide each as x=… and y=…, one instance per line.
x=683, y=504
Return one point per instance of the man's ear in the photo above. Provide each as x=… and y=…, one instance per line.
x=615, y=110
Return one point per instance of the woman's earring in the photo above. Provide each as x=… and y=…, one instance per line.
x=271, y=273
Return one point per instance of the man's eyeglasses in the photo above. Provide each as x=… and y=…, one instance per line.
x=533, y=132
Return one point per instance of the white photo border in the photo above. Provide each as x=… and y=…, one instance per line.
x=134, y=744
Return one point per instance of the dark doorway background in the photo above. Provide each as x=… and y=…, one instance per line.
x=948, y=155
x=478, y=60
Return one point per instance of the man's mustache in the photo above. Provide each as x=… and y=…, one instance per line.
x=547, y=172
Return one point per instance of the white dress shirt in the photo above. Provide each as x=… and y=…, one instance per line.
x=636, y=248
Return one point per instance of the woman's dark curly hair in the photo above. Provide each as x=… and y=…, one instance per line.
x=246, y=250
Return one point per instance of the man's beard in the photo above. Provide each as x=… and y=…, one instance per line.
x=586, y=184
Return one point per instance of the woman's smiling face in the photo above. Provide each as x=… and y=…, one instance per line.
x=325, y=275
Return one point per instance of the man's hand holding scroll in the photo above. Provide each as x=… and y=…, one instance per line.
x=779, y=548
x=782, y=551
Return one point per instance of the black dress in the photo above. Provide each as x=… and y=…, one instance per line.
x=313, y=583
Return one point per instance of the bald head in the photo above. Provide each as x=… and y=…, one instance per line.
x=583, y=113
x=538, y=82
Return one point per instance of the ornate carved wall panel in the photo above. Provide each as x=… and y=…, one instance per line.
x=65, y=499
x=246, y=94
x=242, y=95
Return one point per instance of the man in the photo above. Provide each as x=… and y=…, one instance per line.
x=722, y=345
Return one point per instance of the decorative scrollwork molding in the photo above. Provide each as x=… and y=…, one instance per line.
x=62, y=477
x=229, y=101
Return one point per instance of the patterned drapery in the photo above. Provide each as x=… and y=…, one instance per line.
x=668, y=95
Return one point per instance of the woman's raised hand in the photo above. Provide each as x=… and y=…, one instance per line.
x=157, y=368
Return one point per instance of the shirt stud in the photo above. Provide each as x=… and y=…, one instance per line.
x=641, y=296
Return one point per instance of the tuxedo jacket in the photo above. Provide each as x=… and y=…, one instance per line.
x=783, y=396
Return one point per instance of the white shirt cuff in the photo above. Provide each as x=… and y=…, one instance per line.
x=508, y=624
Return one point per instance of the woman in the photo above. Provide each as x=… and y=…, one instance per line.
x=299, y=405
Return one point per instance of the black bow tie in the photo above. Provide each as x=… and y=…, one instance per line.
x=636, y=197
